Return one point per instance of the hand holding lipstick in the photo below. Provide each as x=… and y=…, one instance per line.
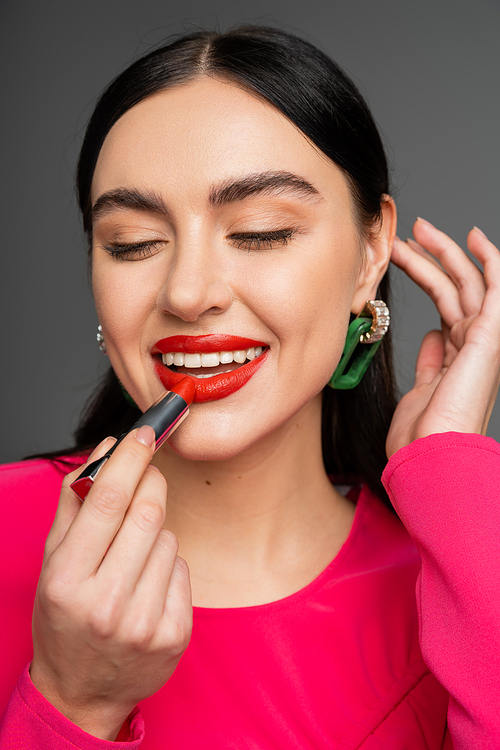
x=164, y=416
x=113, y=613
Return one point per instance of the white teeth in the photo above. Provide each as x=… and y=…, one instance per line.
x=195, y=360
x=239, y=356
x=192, y=360
x=179, y=359
x=210, y=360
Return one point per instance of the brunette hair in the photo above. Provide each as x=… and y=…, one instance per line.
x=316, y=95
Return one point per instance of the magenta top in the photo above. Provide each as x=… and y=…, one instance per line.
x=339, y=664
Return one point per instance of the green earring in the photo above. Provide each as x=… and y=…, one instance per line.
x=368, y=328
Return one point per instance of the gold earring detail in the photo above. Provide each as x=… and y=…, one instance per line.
x=381, y=319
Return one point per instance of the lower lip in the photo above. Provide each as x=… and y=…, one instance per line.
x=212, y=389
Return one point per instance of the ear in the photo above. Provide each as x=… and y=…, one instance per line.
x=378, y=249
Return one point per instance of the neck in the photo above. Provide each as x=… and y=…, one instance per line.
x=261, y=525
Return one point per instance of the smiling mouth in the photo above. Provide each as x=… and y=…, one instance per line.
x=216, y=374
x=202, y=365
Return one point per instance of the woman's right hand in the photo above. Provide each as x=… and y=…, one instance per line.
x=112, y=613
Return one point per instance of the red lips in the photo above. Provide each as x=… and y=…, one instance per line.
x=219, y=386
x=209, y=343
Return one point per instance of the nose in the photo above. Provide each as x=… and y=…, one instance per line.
x=196, y=283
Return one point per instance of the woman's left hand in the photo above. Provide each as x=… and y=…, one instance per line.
x=458, y=368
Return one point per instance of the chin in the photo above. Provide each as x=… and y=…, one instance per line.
x=206, y=449
x=201, y=440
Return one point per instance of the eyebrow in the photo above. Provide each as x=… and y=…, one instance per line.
x=232, y=191
x=263, y=183
x=126, y=198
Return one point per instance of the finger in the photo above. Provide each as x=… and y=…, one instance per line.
x=430, y=358
x=489, y=257
x=434, y=281
x=131, y=548
x=423, y=252
x=69, y=503
x=102, y=513
x=152, y=587
x=178, y=604
x=461, y=269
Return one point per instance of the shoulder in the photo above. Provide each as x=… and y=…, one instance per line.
x=386, y=542
x=35, y=476
x=34, y=468
x=29, y=493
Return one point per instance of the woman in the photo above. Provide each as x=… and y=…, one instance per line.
x=235, y=194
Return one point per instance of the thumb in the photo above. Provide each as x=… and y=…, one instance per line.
x=430, y=358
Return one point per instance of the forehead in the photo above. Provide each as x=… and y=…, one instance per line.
x=202, y=133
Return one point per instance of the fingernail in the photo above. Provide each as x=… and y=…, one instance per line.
x=397, y=238
x=481, y=232
x=145, y=435
x=419, y=218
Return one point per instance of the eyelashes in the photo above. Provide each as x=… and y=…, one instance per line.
x=133, y=250
x=242, y=240
x=262, y=240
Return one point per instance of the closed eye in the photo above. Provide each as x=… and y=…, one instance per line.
x=262, y=240
x=133, y=250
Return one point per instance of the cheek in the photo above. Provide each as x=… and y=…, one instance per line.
x=120, y=309
x=307, y=304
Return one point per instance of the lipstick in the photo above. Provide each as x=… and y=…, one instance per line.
x=164, y=416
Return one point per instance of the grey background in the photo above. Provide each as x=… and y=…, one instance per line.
x=429, y=69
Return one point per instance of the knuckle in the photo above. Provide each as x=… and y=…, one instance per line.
x=107, y=499
x=177, y=636
x=148, y=515
x=54, y=590
x=103, y=620
x=140, y=634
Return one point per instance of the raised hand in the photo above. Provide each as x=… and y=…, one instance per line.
x=458, y=368
x=113, y=613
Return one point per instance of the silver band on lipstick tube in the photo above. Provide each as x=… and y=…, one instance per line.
x=164, y=416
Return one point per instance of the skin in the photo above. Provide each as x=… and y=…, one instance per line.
x=249, y=505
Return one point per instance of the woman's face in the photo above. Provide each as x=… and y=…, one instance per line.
x=215, y=217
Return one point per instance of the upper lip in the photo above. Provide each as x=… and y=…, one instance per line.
x=212, y=342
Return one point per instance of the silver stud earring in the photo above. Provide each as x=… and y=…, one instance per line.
x=100, y=340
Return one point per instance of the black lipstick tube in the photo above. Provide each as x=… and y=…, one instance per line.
x=164, y=416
